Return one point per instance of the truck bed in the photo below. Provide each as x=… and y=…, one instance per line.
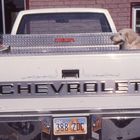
x=48, y=81
x=94, y=75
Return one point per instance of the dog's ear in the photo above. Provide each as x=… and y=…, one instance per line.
x=130, y=36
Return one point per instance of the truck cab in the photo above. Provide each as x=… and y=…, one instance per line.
x=64, y=20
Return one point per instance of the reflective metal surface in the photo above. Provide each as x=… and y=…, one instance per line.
x=69, y=88
x=100, y=126
x=58, y=43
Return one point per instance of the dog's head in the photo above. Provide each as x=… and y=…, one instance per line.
x=124, y=37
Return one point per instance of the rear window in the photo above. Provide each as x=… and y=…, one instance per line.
x=61, y=23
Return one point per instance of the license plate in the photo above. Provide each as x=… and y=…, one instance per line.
x=70, y=125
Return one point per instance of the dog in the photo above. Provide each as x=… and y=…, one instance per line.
x=127, y=39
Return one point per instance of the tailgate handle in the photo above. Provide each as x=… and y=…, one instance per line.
x=74, y=73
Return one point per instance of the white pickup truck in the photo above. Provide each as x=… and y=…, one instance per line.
x=62, y=78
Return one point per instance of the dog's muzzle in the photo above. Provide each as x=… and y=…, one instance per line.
x=111, y=38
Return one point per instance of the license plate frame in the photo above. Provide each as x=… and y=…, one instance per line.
x=70, y=126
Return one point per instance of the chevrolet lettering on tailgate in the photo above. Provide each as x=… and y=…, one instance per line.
x=69, y=88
